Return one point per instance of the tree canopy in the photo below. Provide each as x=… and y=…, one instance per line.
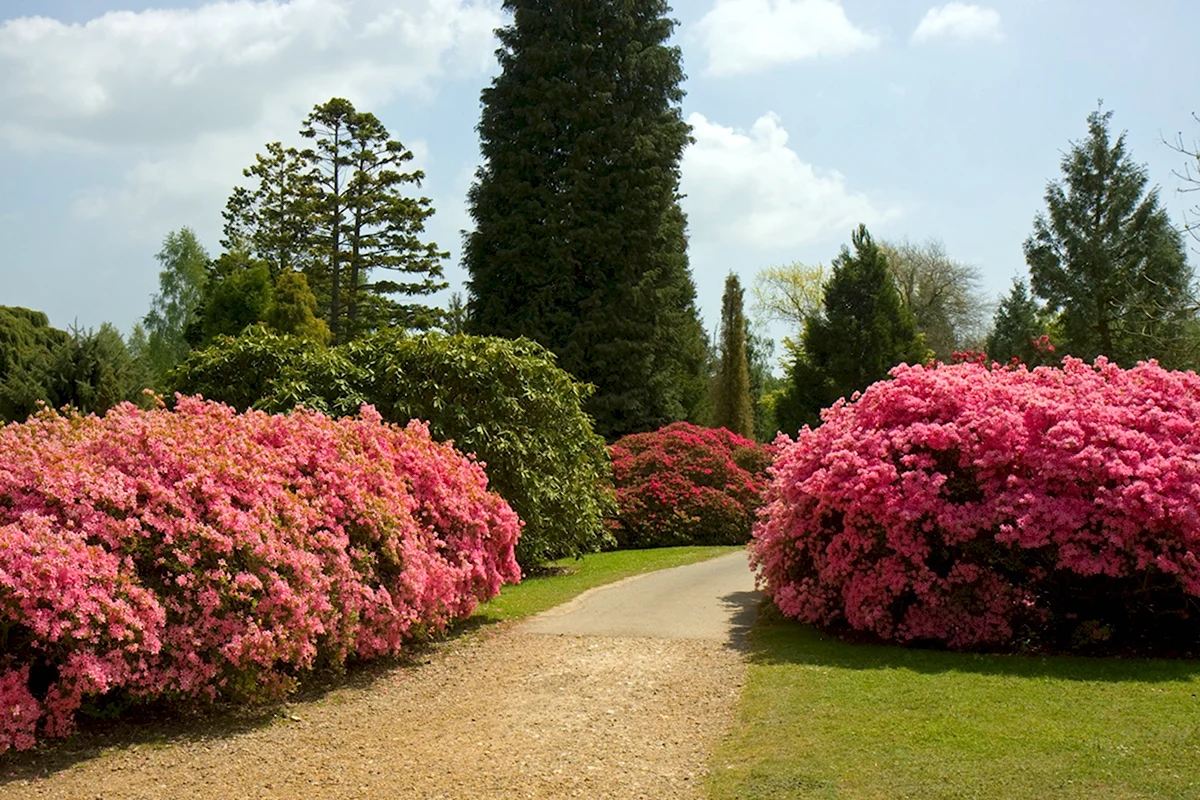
x=1105, y=255
x=177, y=305
x=340, y=212
x=861, y=332
x=579, y=241
x=942, y=294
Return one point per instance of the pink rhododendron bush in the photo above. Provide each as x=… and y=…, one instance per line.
x=977, y=507
x=202, y=554
x=687, y=485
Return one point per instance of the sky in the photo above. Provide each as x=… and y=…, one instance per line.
x=123, y=121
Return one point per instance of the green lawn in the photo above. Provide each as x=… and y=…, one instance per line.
x=540, y=593
x=821, y=718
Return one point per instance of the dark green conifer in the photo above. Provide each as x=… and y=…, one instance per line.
x=732, y=408
x=1107, y=256
x=579, y=241
x=863, y=331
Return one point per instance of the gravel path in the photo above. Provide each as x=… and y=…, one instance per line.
x=561, y=706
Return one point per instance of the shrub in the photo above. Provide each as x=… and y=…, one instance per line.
x=265, y=371
x=686, y=485
x=505, y=401
x=990, y=507
x=202, y=554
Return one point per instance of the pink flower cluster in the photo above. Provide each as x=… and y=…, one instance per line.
x=687, y=485
x=976, y=505
x=205, y=554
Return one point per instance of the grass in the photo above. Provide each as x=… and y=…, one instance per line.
x=822, y=718
x=578, y=575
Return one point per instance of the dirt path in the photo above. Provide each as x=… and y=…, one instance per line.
x=620, y=693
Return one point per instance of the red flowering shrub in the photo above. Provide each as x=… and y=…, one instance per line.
x=981, y=507
x=205, y=554
x=684, y=485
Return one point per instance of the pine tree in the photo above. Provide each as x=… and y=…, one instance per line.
x=273, y=220
x=338, y=212
x=579, y=240
x=1018, y=324
x=384, y=228
x=92, y=372
x=732, y=408
x=1107, y=255
x=862, y=332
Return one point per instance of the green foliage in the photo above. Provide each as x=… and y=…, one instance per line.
x=1019, y=323
x=862, y=332
x=942, y=294
x=93, y=371
x=732, y=407
x=237, y=295
x=579, y=240
x=273, y=220
x=1107, y=256
x=764, y=385
x=176, y=306
x=263, y=370
x=505, y=401
x=89, y=370
x=338, y=212
x=293, y=311
x=27, y=348
x=454, y=320
x=510, y=404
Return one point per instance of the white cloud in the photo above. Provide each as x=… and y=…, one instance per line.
x=743, y=36
x=961, y=22
x=751, y=189
x=187, y=96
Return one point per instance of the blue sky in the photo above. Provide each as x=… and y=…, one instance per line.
x=124, y=121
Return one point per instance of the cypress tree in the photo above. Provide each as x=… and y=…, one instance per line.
x=579, y=240
x=731, y=402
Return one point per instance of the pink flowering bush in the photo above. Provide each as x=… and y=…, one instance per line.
x=686, y=485
x=974, y=506
x=203, y=554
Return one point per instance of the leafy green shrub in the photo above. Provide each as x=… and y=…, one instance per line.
x=505, y=401
x=269, y=372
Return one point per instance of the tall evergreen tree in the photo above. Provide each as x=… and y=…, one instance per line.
x=863, y=331
x=579, y=240
x=338, y=212
x=732, y=408
x=272, y=220
x=1019, y=322
x=1106, y=254
x=366, y=223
